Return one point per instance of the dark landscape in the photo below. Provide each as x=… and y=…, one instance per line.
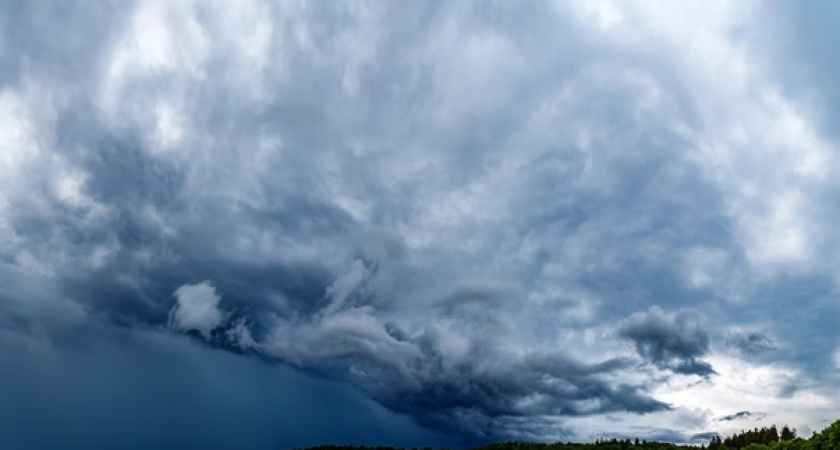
x=766, y=438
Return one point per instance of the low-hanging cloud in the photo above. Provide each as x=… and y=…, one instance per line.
x=446, y=373
x=742, y=415
x=674, y=341
x=196, y=308
x=751, y=344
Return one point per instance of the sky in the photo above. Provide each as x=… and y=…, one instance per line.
x=276, y=224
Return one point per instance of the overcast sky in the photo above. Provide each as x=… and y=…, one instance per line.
x=276, y=224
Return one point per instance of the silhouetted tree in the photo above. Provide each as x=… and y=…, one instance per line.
x=788, y=434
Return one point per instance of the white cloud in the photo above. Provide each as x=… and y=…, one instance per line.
x=196, y=308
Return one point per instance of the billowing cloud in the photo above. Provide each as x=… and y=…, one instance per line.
x=673, y=341
x=196, y=308
x=742, y=415
x=448, y=373
x=541, y=221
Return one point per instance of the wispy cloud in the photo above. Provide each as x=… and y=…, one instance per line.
x=742, y=415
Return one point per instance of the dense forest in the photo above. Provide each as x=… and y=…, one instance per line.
x=756, y=439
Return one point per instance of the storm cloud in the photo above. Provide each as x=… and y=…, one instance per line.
x=467, y=221
x=751, y=343
x=457, y=378
x=742, y=415
x=672, y=341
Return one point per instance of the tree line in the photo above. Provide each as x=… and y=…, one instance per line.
x=757, y=439
x=771, y=439
x=762, y=437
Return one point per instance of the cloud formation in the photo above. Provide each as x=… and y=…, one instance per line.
x=539, y=221
x=449, y=376
x=673, y=341
x=196, y=308
x=751, y=343
x=742, y=415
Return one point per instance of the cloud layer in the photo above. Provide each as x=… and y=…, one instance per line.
x=533, y=221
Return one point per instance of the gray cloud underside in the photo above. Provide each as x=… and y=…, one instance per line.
x=448, y=207
x=742, y=415
x=673, y=341
x=751, y=343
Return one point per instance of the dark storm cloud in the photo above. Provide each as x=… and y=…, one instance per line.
x=482, y=402
x=442, y=206
x=742, y=415
x=751, y=343
x=479, y=390
x=673, y=341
